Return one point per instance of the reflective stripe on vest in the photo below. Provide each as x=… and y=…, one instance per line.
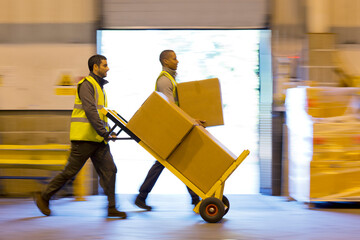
x=173, y=82
x=81, y=129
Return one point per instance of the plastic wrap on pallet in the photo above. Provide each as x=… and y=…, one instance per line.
x=323, y=142
x=334, y=141
x=335, y=181
x=325, y=102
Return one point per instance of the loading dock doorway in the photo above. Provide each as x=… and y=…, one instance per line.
x=233, y=56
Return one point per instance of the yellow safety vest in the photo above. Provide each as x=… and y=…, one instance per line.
x=173, y=82
x=80, y=128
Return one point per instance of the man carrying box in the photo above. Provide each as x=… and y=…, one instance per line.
x=167, y=85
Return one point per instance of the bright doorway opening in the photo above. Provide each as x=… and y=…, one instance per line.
x=230, y=55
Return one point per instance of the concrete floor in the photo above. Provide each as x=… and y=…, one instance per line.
x=250, y=217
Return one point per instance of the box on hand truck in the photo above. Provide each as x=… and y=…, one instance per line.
x=186, y=149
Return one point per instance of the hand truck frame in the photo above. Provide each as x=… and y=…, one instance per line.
x=214, y=205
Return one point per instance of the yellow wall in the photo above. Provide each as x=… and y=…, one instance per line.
x=48, y=11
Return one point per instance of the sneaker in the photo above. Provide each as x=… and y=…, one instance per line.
x=141, y=204
x=113, y=212
x=42, y=204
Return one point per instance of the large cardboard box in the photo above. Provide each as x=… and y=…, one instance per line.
x=320, y=76
x=160, y=124
x=324, y=102
x=336, y=140
x=201, y=158
x=202, y=100
x=321, y=40
x=320, y=58
x=334, y=180
x=326, y=166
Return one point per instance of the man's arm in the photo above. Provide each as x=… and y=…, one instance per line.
x=165, y=86
x=86, y=94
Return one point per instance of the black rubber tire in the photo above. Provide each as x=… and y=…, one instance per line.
x=226, y=203
x=212, y=209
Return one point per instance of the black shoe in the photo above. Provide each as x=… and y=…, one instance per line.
x=195, y=201
x=42, y=204
x=113, y=212
x=141, y=204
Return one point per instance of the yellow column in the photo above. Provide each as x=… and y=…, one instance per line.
x=82, y=182
x=318, y=13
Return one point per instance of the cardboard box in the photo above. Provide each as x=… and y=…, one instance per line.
x=336, y=141
x=202, y=100
x=201, y=158
x=321, y=40
x=321, y=58
x=334, y=180
x=320, y=76
x=160, y=124
x=323, y=102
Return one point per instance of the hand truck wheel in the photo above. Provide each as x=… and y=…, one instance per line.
x=212, y=209
x=226, y=202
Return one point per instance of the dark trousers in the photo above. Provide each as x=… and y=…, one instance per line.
x=101, y=157
x=151, y=179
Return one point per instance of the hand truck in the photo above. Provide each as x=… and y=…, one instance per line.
x=214, y=205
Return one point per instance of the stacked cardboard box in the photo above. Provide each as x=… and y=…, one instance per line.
x=202, y=100
x=172, y=134
x=324, y=143
x=321, y=40
x=161, y=124
x=335, y=180
x=336, y=140
x=201, y=158
x=319, y=60
x=324, y=102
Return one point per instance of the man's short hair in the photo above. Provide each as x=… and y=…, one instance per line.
x=96, y=59
x=165, y=55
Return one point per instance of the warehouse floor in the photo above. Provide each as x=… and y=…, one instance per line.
x=250, y=217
